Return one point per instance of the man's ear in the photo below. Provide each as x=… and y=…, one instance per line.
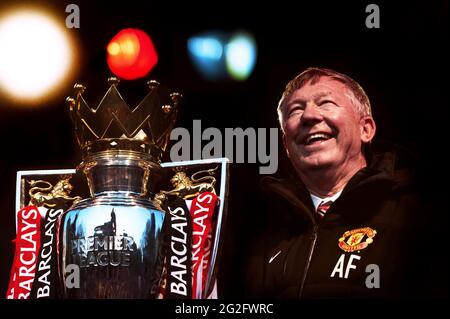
x=285, y=145
x=368, y=129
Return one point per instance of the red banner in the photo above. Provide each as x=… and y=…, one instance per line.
x=28, y=243
x=202, y=212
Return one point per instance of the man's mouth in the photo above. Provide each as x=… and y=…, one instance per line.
x=316, y=138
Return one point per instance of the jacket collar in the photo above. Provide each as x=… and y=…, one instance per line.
x=380, y=176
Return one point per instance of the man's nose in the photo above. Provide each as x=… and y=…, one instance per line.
x=311, y=114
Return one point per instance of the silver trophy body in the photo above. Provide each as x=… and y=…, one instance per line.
x=114, y=237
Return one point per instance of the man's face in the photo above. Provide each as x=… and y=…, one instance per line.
x=323, y=128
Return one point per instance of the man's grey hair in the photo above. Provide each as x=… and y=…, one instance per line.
x=312, y=76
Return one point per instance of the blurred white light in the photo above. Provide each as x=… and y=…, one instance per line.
x=35, y=55
x=240, y=56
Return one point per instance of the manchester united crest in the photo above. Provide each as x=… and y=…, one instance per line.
x=356, y=239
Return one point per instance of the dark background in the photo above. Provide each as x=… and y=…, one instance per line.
x=402, y=66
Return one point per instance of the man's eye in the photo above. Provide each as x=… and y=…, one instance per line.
x=295, y=110
x=326, y=102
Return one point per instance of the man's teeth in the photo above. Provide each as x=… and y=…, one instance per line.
x=318, y=136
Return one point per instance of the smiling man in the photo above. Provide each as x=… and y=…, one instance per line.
x=326, y=119
x=349, y=221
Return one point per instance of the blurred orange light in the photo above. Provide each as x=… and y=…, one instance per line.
x=131, y=54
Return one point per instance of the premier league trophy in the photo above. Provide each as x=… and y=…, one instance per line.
x=123, y=224
x=115, y=236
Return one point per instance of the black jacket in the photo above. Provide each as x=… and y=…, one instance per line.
x=298, y=256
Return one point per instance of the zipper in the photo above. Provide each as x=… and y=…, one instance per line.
x=302, y=207
x=308, y=263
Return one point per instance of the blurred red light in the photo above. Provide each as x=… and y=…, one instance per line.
x=131, y=54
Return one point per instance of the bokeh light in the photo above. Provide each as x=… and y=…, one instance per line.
x=240, y=55
x=35, y=54
x=206, y=53
x=131, y=54
x=221, y=55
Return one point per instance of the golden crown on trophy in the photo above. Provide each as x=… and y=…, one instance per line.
x=113, y=125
